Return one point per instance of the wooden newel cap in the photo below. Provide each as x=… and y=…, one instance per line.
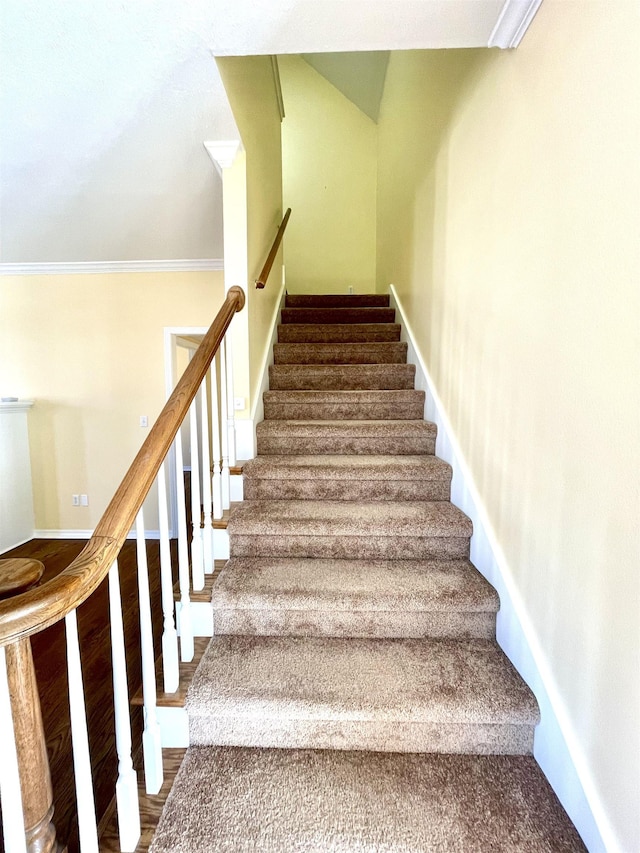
x=17, y=575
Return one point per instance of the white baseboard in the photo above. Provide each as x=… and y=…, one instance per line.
x=17, y=544
x=201, y=618
x=245, y=440
x=556, y=746
x=220, y=544
x=174, y=727
x=257, y=409
x=85, y=534
x=236, y=487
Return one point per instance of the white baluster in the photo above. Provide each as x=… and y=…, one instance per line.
x=217, y=453
x=231, y=418
x=197, y=560
x=170, y=665
x=87, y=825
x=207, y=531
x=12, y=814
x=185, y=626
x=151, y=744
x=127, y=784
x=224, y=432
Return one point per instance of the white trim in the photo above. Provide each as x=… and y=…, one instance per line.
x=275, y=70
x=172, y=336
x=223, y=152
x=174, y=726
x=556, y=746
x=257, y=407
x=18, y=544
x=86, y=534
x=15, y=407
x=245, y=442
x=90, y=267
x=513, y=22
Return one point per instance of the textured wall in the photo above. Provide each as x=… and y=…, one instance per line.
x=329, y=154
x=250, y=85
x=508, y=221
x=90, y=350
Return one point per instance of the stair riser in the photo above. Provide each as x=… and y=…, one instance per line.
x=337, y=300
x=338, y=333
x=343, y=412
x=376, y=624
x=364, y=353
x=412, y=445
x=392, y=736
x=356, y=377
x=349, y=547
x=338, y=315
x=340, y=444
x=346, y=490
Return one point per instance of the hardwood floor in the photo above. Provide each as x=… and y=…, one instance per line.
x=95, y=642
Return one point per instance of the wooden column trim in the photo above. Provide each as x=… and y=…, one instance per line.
x=31, y=748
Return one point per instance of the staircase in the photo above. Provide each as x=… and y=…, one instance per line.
x=352, y=633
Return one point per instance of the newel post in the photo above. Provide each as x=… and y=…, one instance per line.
x=31, y=749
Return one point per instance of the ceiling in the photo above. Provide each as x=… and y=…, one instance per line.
x=104, y=108
x=359, y=76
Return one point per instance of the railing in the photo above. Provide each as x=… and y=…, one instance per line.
x=266, y=269
x=25, y=786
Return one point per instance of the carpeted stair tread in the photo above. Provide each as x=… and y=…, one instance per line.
x=338, y=315
x=338, y=332
x=321, y=377
x=322, y=801
x=351, y=353
x=337, y=300
x=342, y=529
x=341, y=518
x=346, y=437
x=347, y=477
x=328, y=467
x=360, y=585
x=347, y=405
x=349, y=693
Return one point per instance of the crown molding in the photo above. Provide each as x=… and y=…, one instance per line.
x=223, y=152
x=80, y=267
x=513, y=22
x=17, y=406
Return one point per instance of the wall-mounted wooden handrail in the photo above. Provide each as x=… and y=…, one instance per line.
x=36, y=609
x=266, y=269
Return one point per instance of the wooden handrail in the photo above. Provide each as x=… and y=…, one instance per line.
x=36, y=609
x=266, y=269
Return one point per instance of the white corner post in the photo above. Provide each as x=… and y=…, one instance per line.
x=230, y=161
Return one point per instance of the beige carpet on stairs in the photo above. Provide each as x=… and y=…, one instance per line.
x=353, y=697
x=313, y=801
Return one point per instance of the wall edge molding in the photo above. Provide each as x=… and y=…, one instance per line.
x=585, y=807
x=90, y=267
x=223, y=152
x=513, y=22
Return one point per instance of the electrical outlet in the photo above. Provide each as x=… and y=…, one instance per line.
x=350, y=288
x=144, y=421
x=75, y=500
x=84, y=500
x=238, y=403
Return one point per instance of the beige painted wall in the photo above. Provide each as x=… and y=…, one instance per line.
x=250, y=87
x=89, y=350
x=329, y=182
x=509, y=207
